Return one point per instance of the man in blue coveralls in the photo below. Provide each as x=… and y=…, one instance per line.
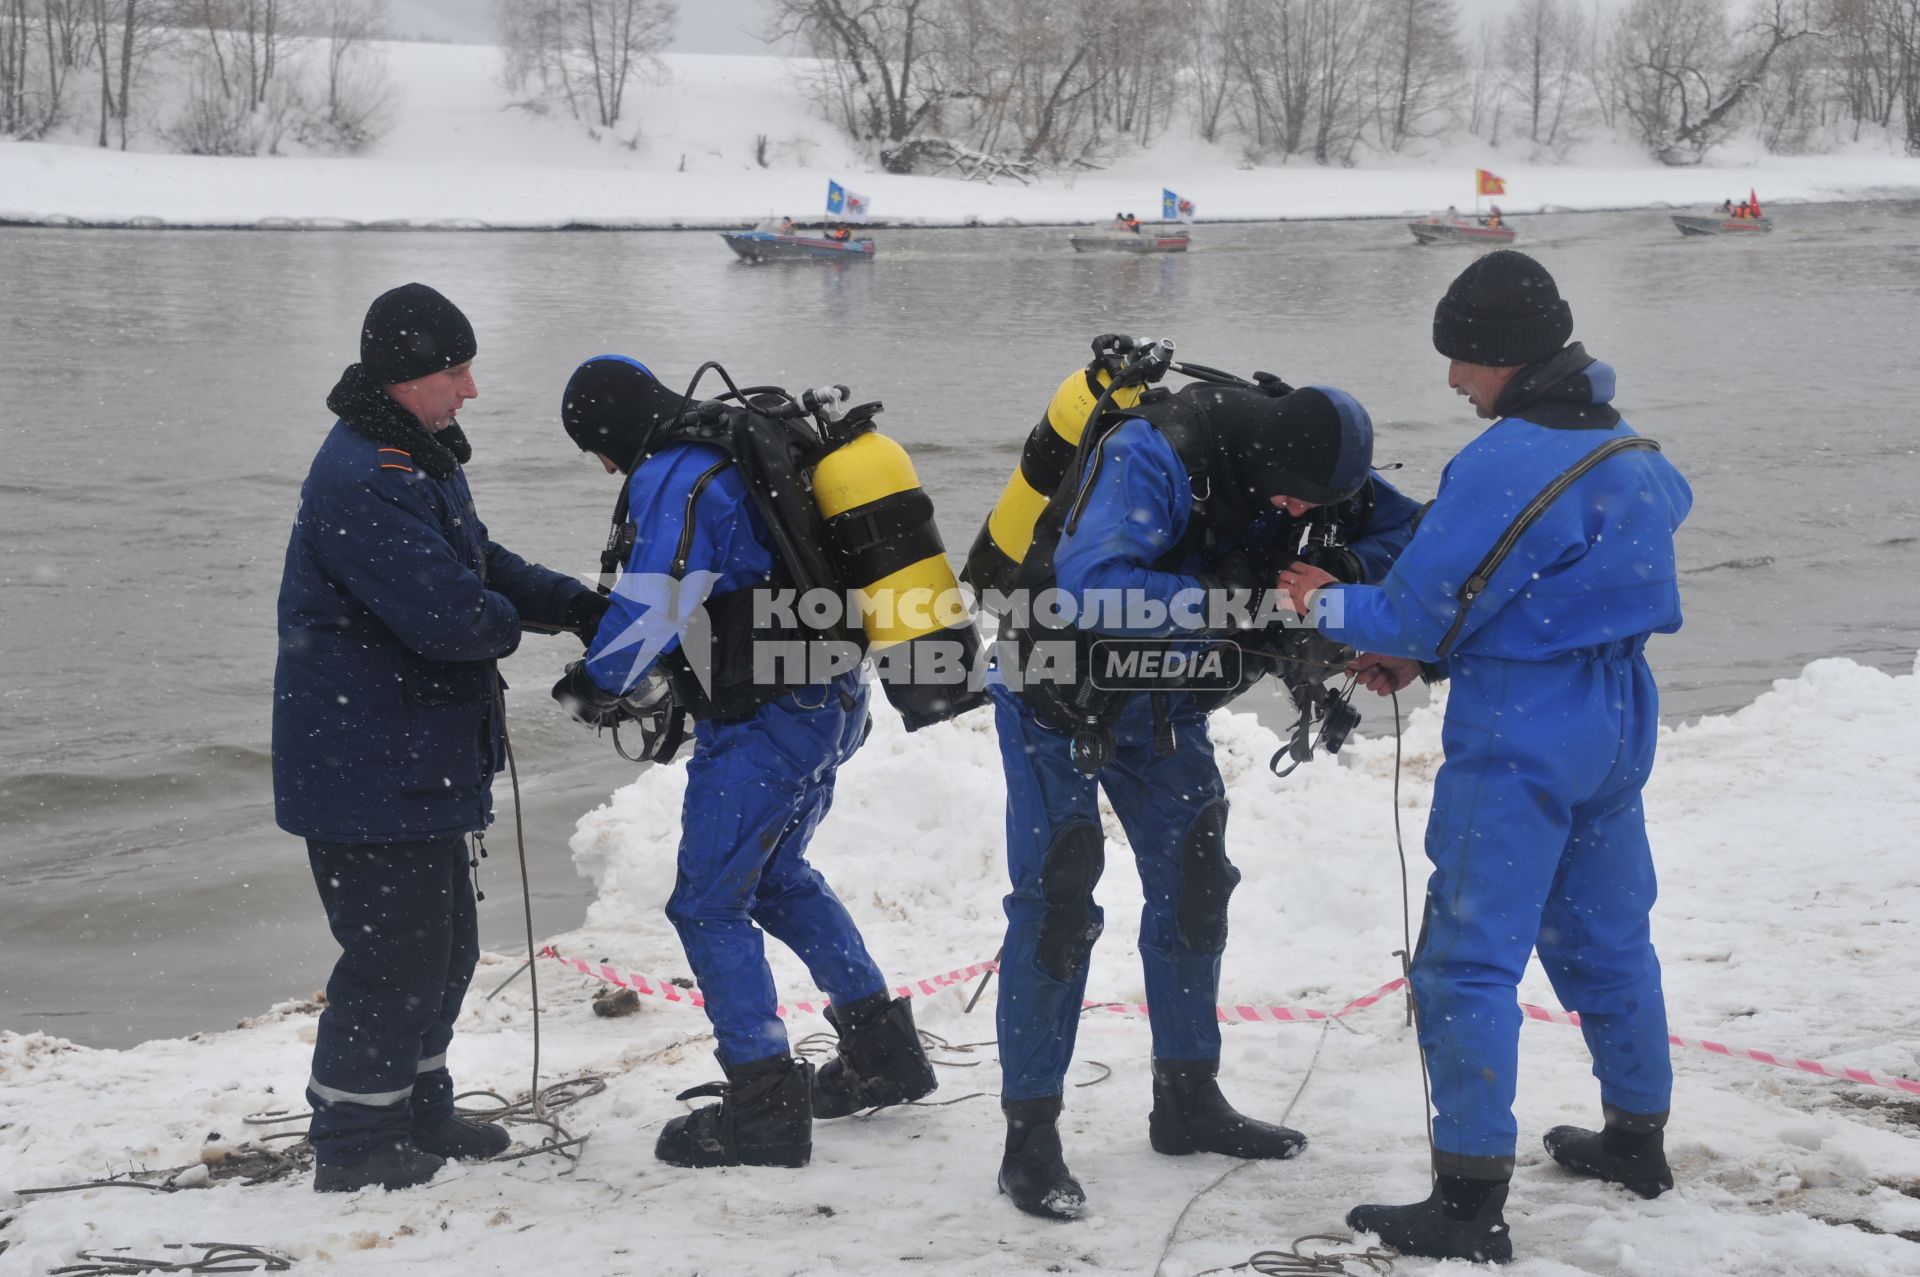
x=1169, y=512
x=767, y=747
x=394, y=606
x=1532, y=584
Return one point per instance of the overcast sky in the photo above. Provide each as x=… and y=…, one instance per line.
x=706, y=26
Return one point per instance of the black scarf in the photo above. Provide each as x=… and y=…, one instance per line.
x=1556, y=393
x=374, y=414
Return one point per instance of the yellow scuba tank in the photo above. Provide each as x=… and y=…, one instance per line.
x=1007, y=534
x=888, y=553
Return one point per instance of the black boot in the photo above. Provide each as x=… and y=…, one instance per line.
x=764, y=1118
x=461, y=1140
x=880, y=1061
x=1460, y=1220
x=1033, y=1172
x=1191, y=1116
x=1635, y=1160
x=400, y=1165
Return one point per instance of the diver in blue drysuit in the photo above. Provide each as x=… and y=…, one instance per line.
x=1141, y=538
x=759, y=782
x=1537, y=835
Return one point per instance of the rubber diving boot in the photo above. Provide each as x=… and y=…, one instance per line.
x=1191, y=1116
x=880, y=1062
x=459, y=1139
x=1033, y=1171
x=1635, y=1160
x=400, y=1165
x=1461, y=1219
x=764, y=1118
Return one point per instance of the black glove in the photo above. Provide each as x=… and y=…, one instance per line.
x=649, y=710
x=1234, y=571
x=586, y=701
x=584, y=613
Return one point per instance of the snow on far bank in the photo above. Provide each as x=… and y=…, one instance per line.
x=1789, y=917
x=460, y=156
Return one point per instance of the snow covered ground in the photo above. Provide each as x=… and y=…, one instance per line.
x=1789, y=919
x=461, y=156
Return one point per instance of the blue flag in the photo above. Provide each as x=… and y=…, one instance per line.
x=1173, y=208
x=845, y=205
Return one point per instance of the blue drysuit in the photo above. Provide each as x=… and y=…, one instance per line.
x=1173, y=808
x=1537, y=836
x=757, y=786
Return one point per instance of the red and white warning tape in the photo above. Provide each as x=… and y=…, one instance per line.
x=670, y=991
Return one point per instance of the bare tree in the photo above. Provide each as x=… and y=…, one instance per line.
x=584, y=52
x=883, y=59
x=1211, y=86
x=1681, y=80
x=1544, y=42
x=1417, y=68
x=360, y=96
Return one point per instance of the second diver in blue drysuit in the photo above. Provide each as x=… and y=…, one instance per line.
x=1173, y=506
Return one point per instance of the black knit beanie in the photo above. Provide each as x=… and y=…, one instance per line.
x=612, y=405
x=1503, y=311
x=412, y=331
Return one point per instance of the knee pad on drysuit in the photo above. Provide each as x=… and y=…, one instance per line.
x=1207, y=880
x=1068, y=875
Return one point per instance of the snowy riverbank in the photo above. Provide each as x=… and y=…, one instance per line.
x=460, y=157
x=1789, y=916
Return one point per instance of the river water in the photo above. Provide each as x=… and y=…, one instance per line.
x=161, y=395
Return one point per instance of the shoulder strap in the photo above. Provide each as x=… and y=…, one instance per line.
x=1476, y=583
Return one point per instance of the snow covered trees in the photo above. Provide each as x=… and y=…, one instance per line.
x=582, y=52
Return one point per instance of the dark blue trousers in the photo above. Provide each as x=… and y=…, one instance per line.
x=1174, y=812
x=756, y=791
x=403, y=914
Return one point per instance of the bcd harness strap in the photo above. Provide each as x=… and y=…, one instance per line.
x=1476, y=584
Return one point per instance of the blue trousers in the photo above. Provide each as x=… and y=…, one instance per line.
x=1538, y=841
x=756, y=791
x=1174, y=812
x=403, y=914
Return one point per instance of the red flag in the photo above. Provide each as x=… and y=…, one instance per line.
x=1488, y=184
x=1753, y=201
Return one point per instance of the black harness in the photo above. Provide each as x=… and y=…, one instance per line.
x=775, y=457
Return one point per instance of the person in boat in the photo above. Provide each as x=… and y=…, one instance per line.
x=1728, y=209
x=1133, y=223
x=786, y=226
x=1119, y=221
x=768, y=745
x=394, y=605
x=840, y=234
x=1453, y=214
x=1537, y=835
x=1178, y=504
x=1493, y=216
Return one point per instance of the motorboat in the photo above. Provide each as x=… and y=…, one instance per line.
x=767, y=244
x=1720, y=222
x=1455, y=230
x=1161, y=239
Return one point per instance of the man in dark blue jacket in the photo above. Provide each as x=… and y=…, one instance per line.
x=768, y=746
x=394, y=606
x=1173, y=508
x=1545, y=562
